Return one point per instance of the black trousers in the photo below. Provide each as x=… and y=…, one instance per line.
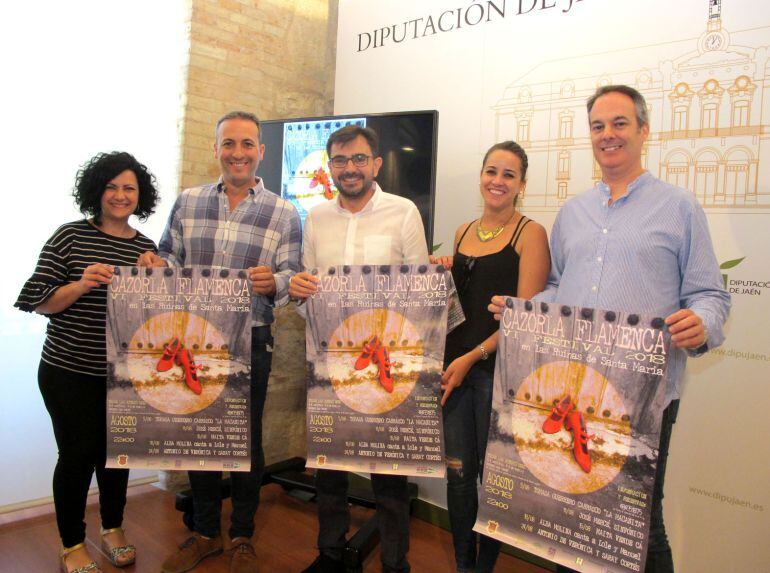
x=391, y=492
x=207, y=486
x=77, y=405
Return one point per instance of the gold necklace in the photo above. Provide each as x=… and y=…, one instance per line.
x=485, y=236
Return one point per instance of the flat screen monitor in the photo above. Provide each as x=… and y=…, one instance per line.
x=295, y=161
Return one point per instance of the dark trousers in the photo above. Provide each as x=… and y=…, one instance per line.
x=659, y=558
x=77, y=405
x=207, y=486
x=392, y=496
x=466, y=427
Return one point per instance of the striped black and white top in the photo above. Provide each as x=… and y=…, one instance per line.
x=76, y=336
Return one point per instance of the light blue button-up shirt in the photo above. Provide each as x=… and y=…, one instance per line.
x=648, y=252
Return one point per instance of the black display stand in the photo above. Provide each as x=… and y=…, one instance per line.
x=290, y=475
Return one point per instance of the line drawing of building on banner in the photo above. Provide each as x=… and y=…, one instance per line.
x=709, y=109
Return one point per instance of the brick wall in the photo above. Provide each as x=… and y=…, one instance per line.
x=274, y=58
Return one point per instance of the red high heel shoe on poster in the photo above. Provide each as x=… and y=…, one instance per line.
x=169, y=353
x=185, y=359
x=370, y=347
x=577, y=425
x=382, y=359
x=555, y=421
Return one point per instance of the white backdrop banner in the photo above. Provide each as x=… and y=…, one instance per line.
x=523, y=70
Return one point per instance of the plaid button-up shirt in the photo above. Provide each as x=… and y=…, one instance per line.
x=263, y=229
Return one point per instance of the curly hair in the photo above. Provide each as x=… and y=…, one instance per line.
x=93, y=176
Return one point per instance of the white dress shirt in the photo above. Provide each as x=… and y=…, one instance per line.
x=387, y=231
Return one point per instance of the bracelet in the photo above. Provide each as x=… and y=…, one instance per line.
x=484, y=353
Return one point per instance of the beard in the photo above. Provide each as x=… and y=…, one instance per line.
x=357, y=184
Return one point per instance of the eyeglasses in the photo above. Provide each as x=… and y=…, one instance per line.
x=465, y=277
x=358, y=159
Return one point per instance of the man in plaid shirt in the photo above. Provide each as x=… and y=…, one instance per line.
x=235, y=223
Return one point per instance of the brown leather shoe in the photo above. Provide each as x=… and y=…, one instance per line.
x=194, y=550
x=244, y=559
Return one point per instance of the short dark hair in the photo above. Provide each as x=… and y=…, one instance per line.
x=93, y=177
x=512, y=147
x=247, y=115
x=642, y=117
x=348, y=133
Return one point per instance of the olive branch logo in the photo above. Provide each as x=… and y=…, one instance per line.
x=729, y=265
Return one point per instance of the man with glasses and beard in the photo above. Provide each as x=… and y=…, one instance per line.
x=363, y=225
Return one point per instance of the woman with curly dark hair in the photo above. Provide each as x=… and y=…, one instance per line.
x=69, y=285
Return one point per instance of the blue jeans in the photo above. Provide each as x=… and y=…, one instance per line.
x=392, y=496
x=466, y=428
x=659, y=558
x=207, y=486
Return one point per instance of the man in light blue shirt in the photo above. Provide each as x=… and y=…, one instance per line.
x=635, y=243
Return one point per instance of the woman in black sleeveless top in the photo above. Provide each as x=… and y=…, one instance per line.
x=503, y=252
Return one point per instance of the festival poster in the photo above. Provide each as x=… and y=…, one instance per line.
x=179, y=369
x=573, y=443
x=305, y=177
x=375, y=347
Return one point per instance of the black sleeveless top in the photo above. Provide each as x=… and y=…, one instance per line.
x=478, y=279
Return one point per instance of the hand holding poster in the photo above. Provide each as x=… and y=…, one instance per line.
x=179, y=369
x=576, y=412
x=375, y=348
